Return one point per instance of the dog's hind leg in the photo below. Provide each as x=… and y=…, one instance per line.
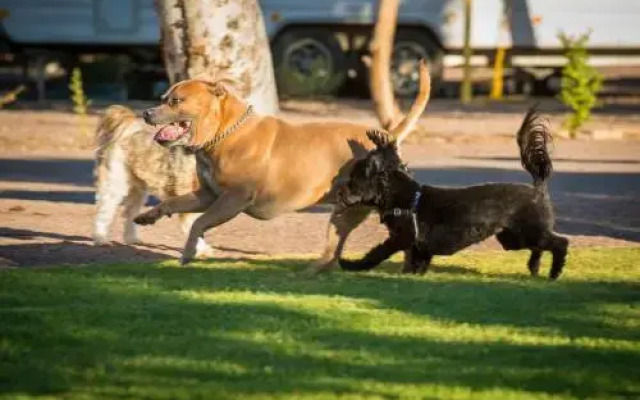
x=112, y=187
x=203, y=250
x=106, y=210
x=510, y=240
x=341, y=223
x=534, y=262
x=132, y=204
x=558, y=246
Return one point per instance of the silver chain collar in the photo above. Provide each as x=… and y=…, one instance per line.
x=211, y=143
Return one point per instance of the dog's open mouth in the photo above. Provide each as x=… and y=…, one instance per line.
x=173, y=131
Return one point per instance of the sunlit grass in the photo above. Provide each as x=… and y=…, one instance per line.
x=475, y=327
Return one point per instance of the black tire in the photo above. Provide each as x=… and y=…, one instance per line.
x=308, y=62
x=410, y=46
x=525, y=83
x=551, y=85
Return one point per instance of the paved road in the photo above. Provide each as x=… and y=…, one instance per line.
x=587, y=203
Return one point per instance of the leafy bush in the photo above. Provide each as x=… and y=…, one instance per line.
x=80, y=101
x=11, y=96
x=580, y=81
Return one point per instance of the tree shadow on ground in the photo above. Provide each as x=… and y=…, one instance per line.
x=63, y=171
x=586, y=203
x=59, y=248
x=160, y=332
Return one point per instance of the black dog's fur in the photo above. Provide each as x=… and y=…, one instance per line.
x=446, y=220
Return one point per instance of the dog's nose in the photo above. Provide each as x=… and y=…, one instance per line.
x=148, y=115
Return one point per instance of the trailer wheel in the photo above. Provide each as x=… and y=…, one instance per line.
x=308, y=62
x=410, y=46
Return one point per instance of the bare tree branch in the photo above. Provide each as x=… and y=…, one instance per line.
x=381, y=48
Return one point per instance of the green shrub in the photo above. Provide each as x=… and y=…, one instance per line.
x=11, y=96
x=80, y=101
x=580, y=81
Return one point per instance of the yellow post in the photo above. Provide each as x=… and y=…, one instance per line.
x=497, y=83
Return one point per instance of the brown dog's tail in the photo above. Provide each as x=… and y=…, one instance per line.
x=408, y=124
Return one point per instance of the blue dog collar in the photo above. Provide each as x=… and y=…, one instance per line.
x=416, y=201
x=411, y=212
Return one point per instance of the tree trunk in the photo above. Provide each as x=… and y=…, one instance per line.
x=219, y=38
x=379, y=78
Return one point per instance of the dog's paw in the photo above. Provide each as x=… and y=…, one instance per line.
x=204, y=254
x=148, y=218
x=322, y=265
x=553, y=276
x=130, y=241
x=356, y=265
x=188, y=254
x=186, y=259
x=203, y=250
x=314, y=270
x=101, y=241
x=349, y=265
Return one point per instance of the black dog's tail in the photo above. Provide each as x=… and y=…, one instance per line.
x=533, y=138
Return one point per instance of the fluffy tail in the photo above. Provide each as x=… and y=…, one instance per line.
x=116, y=123
x=407, y=125
x=533, y=138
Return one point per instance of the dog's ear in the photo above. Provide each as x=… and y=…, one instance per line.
x=217, y=89
x=378, y=137
x=381, y=139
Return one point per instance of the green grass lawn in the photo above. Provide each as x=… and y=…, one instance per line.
x=476, y=327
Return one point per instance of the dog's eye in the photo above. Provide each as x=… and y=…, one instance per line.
x=174, y=101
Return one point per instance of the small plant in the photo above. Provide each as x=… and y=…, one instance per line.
x=11, y=96
x=580, y=81
x=80, y=101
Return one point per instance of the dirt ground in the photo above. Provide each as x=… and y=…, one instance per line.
x=46, y=193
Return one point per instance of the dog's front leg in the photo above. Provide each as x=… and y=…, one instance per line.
x=203, y=250
x=375, y=256
x=193, y=202
x=225, y=207
x=416, y=261
x=342, y=222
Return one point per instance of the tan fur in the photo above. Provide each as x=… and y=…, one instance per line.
x=130, y=165
x=267, y=166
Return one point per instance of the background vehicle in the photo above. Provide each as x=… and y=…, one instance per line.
x=317, y=45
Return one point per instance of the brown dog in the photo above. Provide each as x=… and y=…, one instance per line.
x=261, y=165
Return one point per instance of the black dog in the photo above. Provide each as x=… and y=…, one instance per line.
x=425, y=220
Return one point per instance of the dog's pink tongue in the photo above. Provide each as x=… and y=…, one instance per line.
x=168, y=132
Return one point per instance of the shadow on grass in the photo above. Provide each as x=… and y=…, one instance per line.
x=244, y=328
x=77, y=250
x=515, y=299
